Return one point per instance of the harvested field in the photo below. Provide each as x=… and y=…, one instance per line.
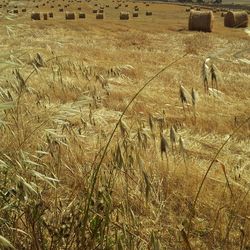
x=122, y=134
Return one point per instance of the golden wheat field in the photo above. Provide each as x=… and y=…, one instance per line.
x=109, y=137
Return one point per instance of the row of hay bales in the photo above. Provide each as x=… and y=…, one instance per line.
x=40, y=16
x=72, y=15
x=16, y=11
x=68, y=15
x=203, y=20
x=126, y=15
x=214, y=10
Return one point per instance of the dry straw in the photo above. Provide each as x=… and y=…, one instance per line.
x=236, y=19
x=95, y=174
x=201, y=21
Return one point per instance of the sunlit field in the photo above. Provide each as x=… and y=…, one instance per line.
x=109, y=138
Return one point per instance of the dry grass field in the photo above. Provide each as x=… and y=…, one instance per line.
x=92, y=159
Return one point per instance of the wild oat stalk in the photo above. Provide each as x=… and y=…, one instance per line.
x=183, y=93
x=209, y=70
x=172, y=136
x=5, y=244
x=211, y=165
x=182, y=151
x=152, y=126
x=148, y=185
x=214, y=76
x=205, y=70
x=164, y=146
x=97, y=169
x=194, y=101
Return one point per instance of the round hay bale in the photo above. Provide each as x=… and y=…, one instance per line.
x=201, y=21
x=15, y=11
x=45, y=16
x=124, y=15
x=136, y=8
x=94, y=11
x=51, y=15
x=82, y=15
x=70, y=16
x=135, y=14
x=101, y=11
x=149, y=13
x=35, y=16
x=60, y=10
x=236, y=19
x=99, y=16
